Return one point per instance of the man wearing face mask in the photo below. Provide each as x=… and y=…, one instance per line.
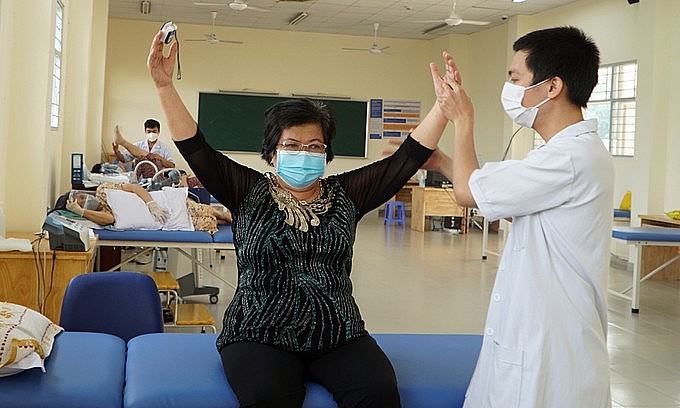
x=150, y=148
x=293, y=316
x=545, y=338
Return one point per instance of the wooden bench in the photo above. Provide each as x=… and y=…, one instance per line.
x=166, y=283
x=193, y=315
x=184, y=314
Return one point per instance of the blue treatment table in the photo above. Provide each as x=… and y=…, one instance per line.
x=621, y=215
x=181, y=241
x=92, y=370
x=184, y=370
x=640, y=237
x=84, y=370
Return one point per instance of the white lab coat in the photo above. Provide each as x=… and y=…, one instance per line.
x=545, y=339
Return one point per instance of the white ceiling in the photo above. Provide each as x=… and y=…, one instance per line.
x=397, y=18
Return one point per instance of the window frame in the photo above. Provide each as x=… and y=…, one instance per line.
x=57, y=66
x=620, y=107
x=604, y=126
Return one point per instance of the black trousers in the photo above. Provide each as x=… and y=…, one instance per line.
x=358, y=374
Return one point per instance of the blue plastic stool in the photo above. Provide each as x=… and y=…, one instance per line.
x=394, y=212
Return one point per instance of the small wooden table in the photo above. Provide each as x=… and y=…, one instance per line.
x=434, y=201
x=653, y=256
x=21, y=281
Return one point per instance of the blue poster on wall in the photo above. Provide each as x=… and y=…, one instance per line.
x=392, y=118
x=375, y=119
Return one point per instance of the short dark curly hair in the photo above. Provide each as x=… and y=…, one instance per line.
x=295, y=112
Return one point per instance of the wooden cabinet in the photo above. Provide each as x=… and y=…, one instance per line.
x=433, y=201
x=654, y=256
x=38, y=279
x=405, y=193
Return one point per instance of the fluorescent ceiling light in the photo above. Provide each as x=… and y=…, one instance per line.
x=303, y=15
x=238, y=6
x=145, y=7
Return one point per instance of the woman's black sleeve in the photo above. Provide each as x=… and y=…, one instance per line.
x=225, y=179
x=370, y=186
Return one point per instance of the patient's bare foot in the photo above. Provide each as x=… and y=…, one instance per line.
x=223, y=216
x=119, y=139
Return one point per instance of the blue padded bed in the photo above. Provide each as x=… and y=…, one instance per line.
x=84, y=370
x=620, y=214
x=641, y=237
x=223, y=239
x=184, y=370
x=166, y=370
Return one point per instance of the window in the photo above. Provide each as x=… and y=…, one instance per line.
x=56, y=69
x=613, y=105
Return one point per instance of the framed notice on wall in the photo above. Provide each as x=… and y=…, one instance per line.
x=392, y=118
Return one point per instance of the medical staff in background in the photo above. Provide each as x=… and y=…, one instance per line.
x=150, y=148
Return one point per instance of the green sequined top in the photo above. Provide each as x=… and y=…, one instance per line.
x=294, y=289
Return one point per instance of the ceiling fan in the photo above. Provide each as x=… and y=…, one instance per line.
x=375, y=48
x=238, y=5
x=454, y=19
x=212, y=37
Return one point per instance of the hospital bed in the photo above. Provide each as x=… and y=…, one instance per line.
x=641, y=237
x=187, y=243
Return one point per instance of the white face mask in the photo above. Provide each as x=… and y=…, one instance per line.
x=152, y=137
x=512, y=97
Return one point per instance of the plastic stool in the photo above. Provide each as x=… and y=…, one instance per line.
x=394, y=212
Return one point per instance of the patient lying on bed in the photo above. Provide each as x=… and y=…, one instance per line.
x=123, y=211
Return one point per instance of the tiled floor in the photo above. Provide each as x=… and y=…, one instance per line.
x=435, y=282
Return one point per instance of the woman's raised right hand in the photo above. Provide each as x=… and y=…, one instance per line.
x=160, y=66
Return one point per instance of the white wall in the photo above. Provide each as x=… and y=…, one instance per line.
x=33, y=163
x=284, y=62
x=5, y=38
x=106, y=83
x=27, y=168
x=617, y=36
x=84, y=74
x=655, y=167
x=670, y=117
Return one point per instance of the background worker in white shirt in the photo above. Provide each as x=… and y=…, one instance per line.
x=150, y=148
x=545, y=339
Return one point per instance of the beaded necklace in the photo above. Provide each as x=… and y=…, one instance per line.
x=300, y=213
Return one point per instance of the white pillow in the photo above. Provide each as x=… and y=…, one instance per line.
x=175, y=201
x=130, y=211
x=27, y=338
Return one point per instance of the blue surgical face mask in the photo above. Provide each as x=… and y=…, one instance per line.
x=300, y=169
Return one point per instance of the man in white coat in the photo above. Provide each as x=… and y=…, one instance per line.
x=150, y=148
x=545, y=339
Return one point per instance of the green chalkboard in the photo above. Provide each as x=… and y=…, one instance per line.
x=235, y=122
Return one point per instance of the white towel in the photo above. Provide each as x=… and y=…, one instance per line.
x=15, y=244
